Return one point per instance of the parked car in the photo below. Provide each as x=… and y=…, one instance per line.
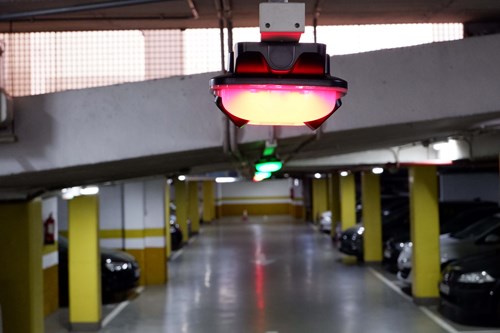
x=470, y=290
x=454, y=216
x=479, y=237
x=393, y=222
x=325, y=222
x=120, y=274
x=175, y=233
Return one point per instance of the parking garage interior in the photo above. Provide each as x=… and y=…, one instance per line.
x=130, y=203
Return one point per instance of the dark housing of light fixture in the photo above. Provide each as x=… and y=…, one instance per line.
x=278, y=81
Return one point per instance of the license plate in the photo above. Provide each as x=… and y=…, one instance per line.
x=387, y=253
x=445, y=289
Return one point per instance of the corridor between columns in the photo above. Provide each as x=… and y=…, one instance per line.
x=267, y=275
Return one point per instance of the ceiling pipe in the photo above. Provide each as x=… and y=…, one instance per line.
x=317, y=12
x=31, y=14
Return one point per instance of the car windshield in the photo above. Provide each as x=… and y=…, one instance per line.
x=477, y=229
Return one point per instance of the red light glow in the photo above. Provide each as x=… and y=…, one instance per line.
x=272, y=104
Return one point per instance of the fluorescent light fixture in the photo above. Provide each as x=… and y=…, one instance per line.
x=220, y=180
x=89, y=190
x=440, y=145
x=182, y=178
x=378, y=170
x=344, y=173
x=317, y=175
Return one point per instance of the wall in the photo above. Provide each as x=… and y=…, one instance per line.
x=271, y=197
x=469, y=186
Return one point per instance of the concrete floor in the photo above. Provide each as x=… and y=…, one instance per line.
x=266, y=277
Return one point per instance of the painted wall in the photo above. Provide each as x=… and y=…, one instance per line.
x=470, y=186
x=271, y=197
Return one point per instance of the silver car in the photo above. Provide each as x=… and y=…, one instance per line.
x=479, y=237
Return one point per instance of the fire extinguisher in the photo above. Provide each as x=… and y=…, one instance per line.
x=49, y=230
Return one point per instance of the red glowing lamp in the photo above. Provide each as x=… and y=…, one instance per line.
x=279, y=81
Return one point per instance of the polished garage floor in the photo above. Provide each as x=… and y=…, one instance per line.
x=266, y=277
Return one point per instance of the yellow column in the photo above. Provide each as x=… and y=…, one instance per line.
x=181, y=204
x=193, y=207
x=347, y=201
x=372, y=217
x=334, y=201
x=21, y=288
x=84, y=264
x=424, y=222
x=319, y=197
x=168, y=240
x=208, y=201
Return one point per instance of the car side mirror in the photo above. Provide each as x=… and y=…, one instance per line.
x=492, y=239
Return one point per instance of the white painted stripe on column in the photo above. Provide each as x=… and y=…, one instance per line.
x=155, y=242
x=111, y=243
x=134, y=243
x=50, y=259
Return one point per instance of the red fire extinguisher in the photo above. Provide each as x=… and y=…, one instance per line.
x=49, y=230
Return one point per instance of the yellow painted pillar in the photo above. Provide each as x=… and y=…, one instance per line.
x=168, y=240
x=181, y=204
x=424, y=222
x=334, y=183
x=193, y=207
x=319, y=197
x=347, y=201
x=84, y=264
x=372, y=217
x=208, y=201
x=21, y=289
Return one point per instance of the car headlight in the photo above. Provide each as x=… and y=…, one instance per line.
x=400, y=245
x=360, y=231
x=476, y=277
x=116, y=266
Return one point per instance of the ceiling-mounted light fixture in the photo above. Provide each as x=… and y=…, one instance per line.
x=268, y=164
x=259, y=176
x=279, y=81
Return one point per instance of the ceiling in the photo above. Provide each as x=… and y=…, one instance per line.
x=57, y=15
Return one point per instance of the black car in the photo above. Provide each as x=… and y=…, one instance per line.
x=393, y=222
x=119, y=274
x=470, y=290
x=175, y=234
x=453, y=216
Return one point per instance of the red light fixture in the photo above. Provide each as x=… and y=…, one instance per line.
x=279, y=81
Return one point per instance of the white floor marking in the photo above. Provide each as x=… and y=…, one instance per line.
x=437, y=319
x=119, y=309
x=176, y=254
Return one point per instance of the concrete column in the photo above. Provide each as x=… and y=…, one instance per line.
x=50, y=262
x=334, y=203
x=208, y=201
x=181, y=204
x=372, y=217
x=84, y=264
x=21, y=294
x=424, y=221
x=154, y=232
x=168, y=240
x=133, y=221
x=347, y=201
x=193, y=206
x=319, y=197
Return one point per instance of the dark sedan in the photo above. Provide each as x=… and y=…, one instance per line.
x=119, y=274
x=470, y=290
x=450, y=222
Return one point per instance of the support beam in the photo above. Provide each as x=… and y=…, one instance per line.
x=319, y=197
x=181, y=198
x=372, y=217
x=21, y=293
x=208, y=201
x=424, y=221
x=168, y=239
x=348, y=201
x=334, y=185
x=84, y=264
x=193, y=206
